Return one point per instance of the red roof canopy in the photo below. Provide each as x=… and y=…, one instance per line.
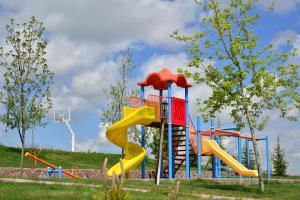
x=159, y=80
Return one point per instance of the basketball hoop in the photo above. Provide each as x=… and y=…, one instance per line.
x=63, y=115
x=58, y=120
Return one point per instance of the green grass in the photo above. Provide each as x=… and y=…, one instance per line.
x=29, y=191
x=10, y=157
x=188, y=190
x=25, y=191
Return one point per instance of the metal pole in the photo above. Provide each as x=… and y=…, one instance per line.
x=72, y=134
x=199, y=146
x=187, y=144
x=143, y=134
x=60, y=172
x=160, y=151
x=218, y=160
x=240, y=151
x=248, y=153
x=162, y=156
x=213, y=138
x=170, y=143
x=268, y=158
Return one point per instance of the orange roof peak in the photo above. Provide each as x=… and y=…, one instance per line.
x=159, y=80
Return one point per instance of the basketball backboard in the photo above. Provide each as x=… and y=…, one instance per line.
x=62, y=114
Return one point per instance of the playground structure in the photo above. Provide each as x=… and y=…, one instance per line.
x=171, y=115
x=51, y=169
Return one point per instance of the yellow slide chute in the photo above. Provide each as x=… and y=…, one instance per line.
x=117, y=134
x=211, y=147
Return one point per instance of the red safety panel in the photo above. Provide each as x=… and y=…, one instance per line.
x=178, y=111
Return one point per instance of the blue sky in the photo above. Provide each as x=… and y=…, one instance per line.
x=84, y=44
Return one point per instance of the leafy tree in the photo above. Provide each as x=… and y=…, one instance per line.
x=27, y=79
x=117, y=95
x=245, y=157
x=154, y=144
x=247, y=76
x=279, y=163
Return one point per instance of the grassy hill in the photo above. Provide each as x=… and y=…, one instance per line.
x=10, y=157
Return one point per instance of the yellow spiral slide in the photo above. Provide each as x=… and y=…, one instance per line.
x=117, y=134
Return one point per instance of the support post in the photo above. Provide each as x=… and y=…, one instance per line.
x=212, y=128
x=187, y=144
x=162, y=156
x=218, y=160
x=240, y=150
x=199, y=146
x=48, y=173
x=60, y=172
x=159, y=170
x=72, y=134
x=248, y=153
x=268, y=158
x=170, y=142
x=143, y=135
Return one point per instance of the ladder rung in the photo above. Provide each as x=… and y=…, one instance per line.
x=179, y=140
x=178, y=145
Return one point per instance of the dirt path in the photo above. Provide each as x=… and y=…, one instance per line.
x=19, y=180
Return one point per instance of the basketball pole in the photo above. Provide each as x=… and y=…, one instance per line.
x=72, y=134
x=63, y=115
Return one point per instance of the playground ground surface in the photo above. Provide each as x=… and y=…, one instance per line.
x=20, y=188
x=138, y=189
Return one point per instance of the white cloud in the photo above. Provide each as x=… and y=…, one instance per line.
x=296, y=155
x=82, y=37
x=100, y=143
x=281, y=6
x=64, y=54
x=85, y=89
x=92, y=81
x=282, y=37
x=171, y=61
x=110, y=22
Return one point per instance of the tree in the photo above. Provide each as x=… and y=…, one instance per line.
x=279, y=163
x=246, y=76
x=154, y=144
x=27, y=79
x=245, y=157
x=117, y=95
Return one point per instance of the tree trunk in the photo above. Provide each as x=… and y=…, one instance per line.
x=256, y=153
x=22, y=157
